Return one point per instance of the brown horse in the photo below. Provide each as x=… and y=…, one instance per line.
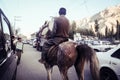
x=68, y=54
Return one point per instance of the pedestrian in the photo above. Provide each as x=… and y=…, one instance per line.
x=13, y=44
x=59, y=33
x=19, y=49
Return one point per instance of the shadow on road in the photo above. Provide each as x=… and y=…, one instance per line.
x=15, y=73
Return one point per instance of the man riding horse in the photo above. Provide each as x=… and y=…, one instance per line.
x=57, y=50
x=59, y=34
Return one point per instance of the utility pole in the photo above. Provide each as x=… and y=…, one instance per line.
x=16, y=19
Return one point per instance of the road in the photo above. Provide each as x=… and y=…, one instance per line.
x=31, y=69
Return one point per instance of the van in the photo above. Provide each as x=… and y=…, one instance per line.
x=7, y=57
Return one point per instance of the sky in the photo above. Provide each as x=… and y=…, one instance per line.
x=29, y=15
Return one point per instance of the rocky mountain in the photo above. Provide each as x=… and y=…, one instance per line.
x=106, y=18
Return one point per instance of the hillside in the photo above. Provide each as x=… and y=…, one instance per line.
x=106, y=18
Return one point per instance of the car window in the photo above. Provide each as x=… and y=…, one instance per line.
x=0, y=37
x=116, y=54
x=6, y=34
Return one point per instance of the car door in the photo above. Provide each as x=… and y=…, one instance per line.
x=5, y=38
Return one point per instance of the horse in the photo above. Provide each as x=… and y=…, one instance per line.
x=69, y=54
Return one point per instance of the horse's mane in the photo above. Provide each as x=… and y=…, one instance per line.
x=47, y=28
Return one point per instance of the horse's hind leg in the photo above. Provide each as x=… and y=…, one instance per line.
x=64, y=74
x=79, y=67
x=49, y=73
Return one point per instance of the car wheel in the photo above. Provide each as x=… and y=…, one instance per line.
x=107, y=74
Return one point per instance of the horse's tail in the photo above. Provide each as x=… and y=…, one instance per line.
x=86, y=54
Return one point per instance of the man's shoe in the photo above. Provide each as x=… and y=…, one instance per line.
x=41, y=61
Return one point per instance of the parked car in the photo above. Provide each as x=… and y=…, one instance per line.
x=34, y=43
x=7, y=57
x=110, y=64
x=30, y=41
x=102, y=48
x=25, y=42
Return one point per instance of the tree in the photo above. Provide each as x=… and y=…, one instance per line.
x=85, y=32
x=72, y=30
x=74, y=26
x=96, y=27
x=92, y=32
x=106, y=32
x=118, y=30
x=112, y=33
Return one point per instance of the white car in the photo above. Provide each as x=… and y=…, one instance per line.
x=102, y=48
x=110, y=64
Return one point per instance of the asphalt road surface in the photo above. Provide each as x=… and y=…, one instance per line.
x=30, y=69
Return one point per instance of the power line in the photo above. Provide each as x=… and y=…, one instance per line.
x=84, y=2
x=86, y=6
